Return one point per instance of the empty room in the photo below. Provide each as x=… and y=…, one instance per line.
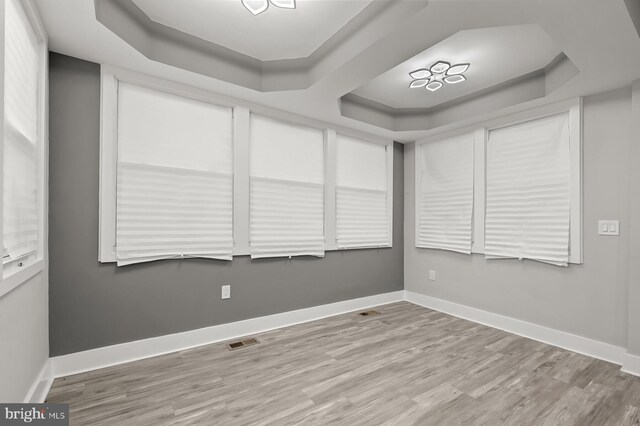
x=328, y=212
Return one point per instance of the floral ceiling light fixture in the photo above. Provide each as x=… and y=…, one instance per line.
x=439, y=73
x=258, y=6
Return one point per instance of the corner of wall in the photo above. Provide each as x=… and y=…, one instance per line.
x=633, y=296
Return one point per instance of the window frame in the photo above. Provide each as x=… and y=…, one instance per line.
x=478, y=155
x=15, y=272
x=111, y=76
x=332, y=224
x=481, y=130
x=324, y=172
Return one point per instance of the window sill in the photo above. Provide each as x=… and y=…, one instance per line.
x=480, y=252
x=14, y=280
x=111, y=258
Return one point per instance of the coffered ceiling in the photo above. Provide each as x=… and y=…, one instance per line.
x=346, y=62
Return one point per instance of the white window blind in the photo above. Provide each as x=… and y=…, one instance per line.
x=445, y=207
x=286, y=189
x=528, y=196
x=362, y=214
x=20, y=174
x=174, y=177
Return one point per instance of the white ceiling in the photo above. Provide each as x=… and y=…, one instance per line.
x=274, y=34
x=589, y=32
x=495, y=54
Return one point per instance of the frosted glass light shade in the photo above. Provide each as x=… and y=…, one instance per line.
x=256, y=7
x=285, y=4
x=440, y=67
x=418, y=83
x=420, y=74
x=458, y=69
x=454, y=79
x=433, y=86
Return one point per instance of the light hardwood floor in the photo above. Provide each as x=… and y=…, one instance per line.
x=409, y=365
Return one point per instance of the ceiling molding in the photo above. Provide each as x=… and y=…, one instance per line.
x=522, y=89
x=589, y=32
x=173, y=47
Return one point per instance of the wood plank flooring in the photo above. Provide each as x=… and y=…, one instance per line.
x=409, y=365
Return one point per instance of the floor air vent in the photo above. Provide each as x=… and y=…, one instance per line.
x=369, y=313
x=242, y=343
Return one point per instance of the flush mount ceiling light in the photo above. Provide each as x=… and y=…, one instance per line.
x=258, y=6
x=434, y=77
x=433, y=86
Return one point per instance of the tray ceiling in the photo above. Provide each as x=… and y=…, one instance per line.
x=275, y=34
x=495, y=55
x=358, y=78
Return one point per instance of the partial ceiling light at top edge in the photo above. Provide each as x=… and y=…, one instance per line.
x=256, y=7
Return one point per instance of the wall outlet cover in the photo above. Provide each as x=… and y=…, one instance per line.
x=609, y=227
x=432, y=275
x=226, y=292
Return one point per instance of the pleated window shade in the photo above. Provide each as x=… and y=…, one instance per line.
x=286, y=189
x=174, y=177
x=20, y=174
x=528, y=196
x=362, y=214
x=446, y=194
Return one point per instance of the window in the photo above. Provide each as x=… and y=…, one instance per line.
x=526, y=179
x=174, y=177
x=446, y=194
x=22, y=214
x=362, y=194
x=186, y=173
x=528, y=191
x=287, y=189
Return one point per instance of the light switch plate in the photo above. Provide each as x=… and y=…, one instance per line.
x=226, y=292
x=432, y=275
x=608, y=227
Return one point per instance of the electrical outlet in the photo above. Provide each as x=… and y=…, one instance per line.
x=432, y=275
x=226, y=292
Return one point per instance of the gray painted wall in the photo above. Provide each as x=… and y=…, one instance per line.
x=94, y=305
x=588, y=300
x=24, y=345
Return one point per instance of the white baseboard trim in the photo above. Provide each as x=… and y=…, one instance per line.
x=42, y=384
x=108, y=356
x=79, y=362
x=562, y=339
x=631, y=364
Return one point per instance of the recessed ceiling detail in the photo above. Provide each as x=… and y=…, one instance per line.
x=495, y=55
x=434, y=77
x=501, y=77
x=358, y=78
x=287, y=31
x=256, y=7
x=219, y=38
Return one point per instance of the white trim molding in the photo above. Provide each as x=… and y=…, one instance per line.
x=94, y=359
x=110, y=79
x=108, y=356
x=631, y=364
x=40, y=387
x=562, y=339
x=480, y=130
x=20, y=277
